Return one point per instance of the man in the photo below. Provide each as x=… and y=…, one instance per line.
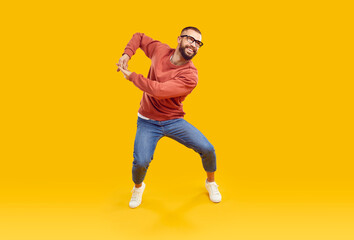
x=171, y=78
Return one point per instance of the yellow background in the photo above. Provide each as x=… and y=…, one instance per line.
x=274, y=97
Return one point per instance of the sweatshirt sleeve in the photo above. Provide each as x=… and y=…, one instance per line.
x=140, y=40
x=176, y=87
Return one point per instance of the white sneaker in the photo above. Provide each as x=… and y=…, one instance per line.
x=136, y=196
x=214, y=193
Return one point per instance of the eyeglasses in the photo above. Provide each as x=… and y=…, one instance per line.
x=191, y=40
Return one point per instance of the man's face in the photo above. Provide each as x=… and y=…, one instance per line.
x=189, y=50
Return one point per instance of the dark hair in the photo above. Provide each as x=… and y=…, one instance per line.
x=192, y=28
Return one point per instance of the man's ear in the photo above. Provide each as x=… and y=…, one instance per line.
x=179, y=39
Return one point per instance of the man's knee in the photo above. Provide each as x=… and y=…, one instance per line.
x=209, y=158
x=141, y=162
x=207, y=149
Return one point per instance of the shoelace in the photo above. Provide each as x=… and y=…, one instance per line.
x=136, y=194
x=214, y=189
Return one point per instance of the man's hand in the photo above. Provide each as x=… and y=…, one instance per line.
x=123, y=62
x=125, y=72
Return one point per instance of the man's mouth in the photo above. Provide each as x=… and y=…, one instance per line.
x=189, y=50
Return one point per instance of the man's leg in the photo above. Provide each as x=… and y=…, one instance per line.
x=191, y=137
x=210, y=176
x=147, y=136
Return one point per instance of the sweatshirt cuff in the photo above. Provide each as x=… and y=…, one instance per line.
x=133, y=76
x=129, y=52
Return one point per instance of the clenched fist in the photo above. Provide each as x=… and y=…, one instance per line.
x=123, y=62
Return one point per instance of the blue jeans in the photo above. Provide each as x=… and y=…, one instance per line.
x=149, y=132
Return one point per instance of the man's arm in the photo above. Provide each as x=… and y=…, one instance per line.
x=140, y=40
x=179, y=86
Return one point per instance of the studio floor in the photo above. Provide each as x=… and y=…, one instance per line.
x=182, y=211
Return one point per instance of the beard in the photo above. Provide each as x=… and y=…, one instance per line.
x=182, y=50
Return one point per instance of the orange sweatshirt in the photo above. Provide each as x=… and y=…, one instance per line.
x=166, y=85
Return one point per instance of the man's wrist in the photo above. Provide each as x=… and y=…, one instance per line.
x=129, y=52
x=131, y=75
x=127, y=55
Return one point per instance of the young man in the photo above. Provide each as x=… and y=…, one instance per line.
x=171, y=78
